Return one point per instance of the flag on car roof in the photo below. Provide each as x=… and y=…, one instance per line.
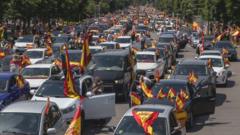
x=192, y=78
x=86, y=55
x=184, y=94
x=161, y=94
x=135, y=99
x=171, y=94
x=47, y=107
x=69, y=87
x=2, y=54
x=145, y=119
x=20, y=82
x=75, y=125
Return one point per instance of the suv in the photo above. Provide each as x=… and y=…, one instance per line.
x=114, y=68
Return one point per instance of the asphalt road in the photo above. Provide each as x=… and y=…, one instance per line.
x=225, y=121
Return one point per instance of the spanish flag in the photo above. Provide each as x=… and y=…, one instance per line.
x=86, y=55
x=236, y=33
x=2, y=54
x=147, y=91
x=25, y=61
x=135, y=99
x=179, y=103
x=192, y=78
x=184, y=95
x=20, y=82
x=75, y=125
x=145, y=119
x=47, y=106
x=171, y=94
x=1, y=33
x=225, y=51
x=69, y=87
x=161, y=94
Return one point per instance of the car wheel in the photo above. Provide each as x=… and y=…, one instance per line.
x=190, y=121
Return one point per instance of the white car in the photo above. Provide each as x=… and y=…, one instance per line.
x=23, y=42
x=36, y=54
x=148, y=63
x=99, y=106
x=124, y=41
x=165, y=124
x=36, y=74
x=219, y=67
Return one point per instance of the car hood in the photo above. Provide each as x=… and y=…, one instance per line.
x=34, y=61
x=146, y=66
x=108, y=74
x=124, y=45
x=3, y=95
x=35, y=83
x=218, y=69
x=184, y=77
x=62, y=103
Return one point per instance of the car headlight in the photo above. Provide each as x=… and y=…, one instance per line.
x=119, y=81
x=69, y=109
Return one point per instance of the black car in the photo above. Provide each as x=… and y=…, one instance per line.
x=114, y=68
x=232, y=55
x=206, y=76
x=198, y=103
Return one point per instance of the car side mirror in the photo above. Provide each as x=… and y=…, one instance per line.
x=227, y=66
x=89, y=94
x=51, y=131
x=32, y=92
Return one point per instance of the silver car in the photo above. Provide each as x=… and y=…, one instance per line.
x=30, y=118
x=165, y=124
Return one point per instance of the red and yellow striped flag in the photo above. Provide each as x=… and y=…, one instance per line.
x=69, y=87
x=192, y=78
x=20, y=82
x=147, y=91
x=171, y=94
x=184, y=95
x=179, y=103
x=135, y=99
x=75, y=125
x=47, y=106
x=86, y=55
x=2, y=54
x=161, y=94
x=145, y=119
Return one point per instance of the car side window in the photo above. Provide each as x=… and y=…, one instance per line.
x=173, y=123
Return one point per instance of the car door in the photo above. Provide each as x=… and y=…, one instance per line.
x=98, y=106
x=202, y=103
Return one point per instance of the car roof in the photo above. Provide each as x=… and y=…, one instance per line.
x=211, y=56
x=146, y=52
x=163, y=109
x=6, y=75
x=37, y=49
x=113, y=52
x=192, y=62
x=39, y=66
x=26, y=107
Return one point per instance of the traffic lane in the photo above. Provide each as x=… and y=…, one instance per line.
x=226, y=119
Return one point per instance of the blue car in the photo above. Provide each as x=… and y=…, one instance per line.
x=12, y=86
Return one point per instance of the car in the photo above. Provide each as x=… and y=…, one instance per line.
x=124, y=41
x=23, y=42
x=206, y=76
x=94, y=106
x=149, y=65
x=165, y=124
x=115, y=69
x=36, y=74
x=11, y=89
x=195, y=39
x=171, y=53
x=219, y=67
x=31, y=118
x=211, y=52
x=109, y=45
x=232, y=55
x=197, y=104
x=36, y=54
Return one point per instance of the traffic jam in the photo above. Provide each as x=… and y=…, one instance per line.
x=53, y=83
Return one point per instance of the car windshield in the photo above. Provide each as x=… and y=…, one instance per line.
x=34, y=54
x=145, y=58
x=51, y=89
x=3, y=85
x=129, y=126
x=109, y=63
x=75, y=57
x=35, y=72
x=218, y=54
x=165, y=39
x=186, y=69
x=20, y=123
x=215, y=62
x=224, y=45
x=25, y=39
x=123, y=40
